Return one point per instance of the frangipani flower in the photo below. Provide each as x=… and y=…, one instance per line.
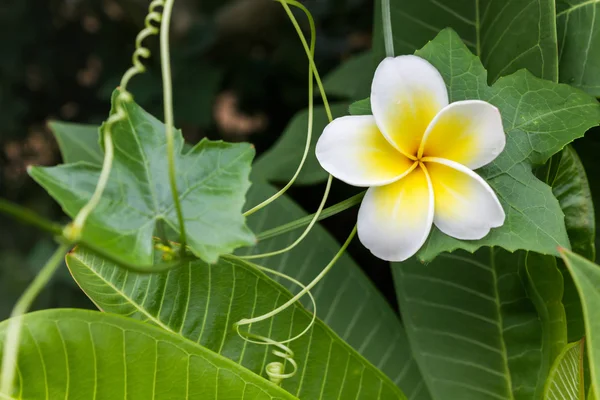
x=416, y=153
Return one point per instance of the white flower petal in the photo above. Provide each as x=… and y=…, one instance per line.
x=395, y=220
x=469, y=132
x=406, y=94
x=466, y=207
x=353, y=150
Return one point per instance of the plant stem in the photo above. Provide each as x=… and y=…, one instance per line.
x=165, y=62
x=299, y=223
x=306, y=289
x=29, y=217
x=388, y=37
x=15, y=324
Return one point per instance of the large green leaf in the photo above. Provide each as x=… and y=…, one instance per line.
x=212, y=180
x=507, y=34
x=347, y=313
x=578, y=24
x=473, y=330
x=539, y=118
x=77, y=354
x=77, y=142
x=545, y=289
x=586, y=276
x=347, y=301
x=201, y=302
x=565, y=381
x=571, y=188
x=280, y=162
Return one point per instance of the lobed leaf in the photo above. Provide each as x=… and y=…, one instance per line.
x=212, y=180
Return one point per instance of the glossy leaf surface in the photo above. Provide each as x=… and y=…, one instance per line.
x=506, y=34
x=201, y=302
x=76, y=354
x=212, y=180
x=578, y=25
x=473, y=330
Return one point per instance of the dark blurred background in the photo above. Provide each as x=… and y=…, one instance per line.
x=240, y=74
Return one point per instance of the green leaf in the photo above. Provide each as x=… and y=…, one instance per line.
x=565, y=381
x=578, y=23
x=586, y=276
x=280, y=162
x=506, y=34
x=77, y=142
x=347, y=301
x=352, y=79
x=201, y=302
x=545, y=289
x=473, y=330
x=572, y=303
x=212, y=180
x=361, y=107
x=539, y=118
x=570, y=186
x=77, y=354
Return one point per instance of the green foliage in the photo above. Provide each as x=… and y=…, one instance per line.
x=214, y=176
x=80, y=354
x=347, y=301
x=506, y=34
x=280, y=162
x=565, y=381
x=200, y=302
x=539, y=118
x=579, y=43
x=474, y=331
x=352, y=79
x=77, y=142
x=586, y=276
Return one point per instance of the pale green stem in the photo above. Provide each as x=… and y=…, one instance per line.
x=165, y=57
x=388, y=37
x=299, y=223
x=306, y=289
x=271, y=199
x=73, y=231
x=313, y=221
x=15, y=324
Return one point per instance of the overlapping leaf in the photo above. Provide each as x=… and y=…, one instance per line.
x=565, y=381
x=586, y=276
x=473, y=330
x=578, y=25
x=347, y=301
x=76, y=354
x=506, y=34
x=201, y=302
x=212, y=180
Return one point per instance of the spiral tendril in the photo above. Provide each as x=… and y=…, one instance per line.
x=73, y=231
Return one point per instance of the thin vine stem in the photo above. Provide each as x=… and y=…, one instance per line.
x=29, y=217
x=299, y=223
x=307, y=288
x=313, y=38
x=15, y=324
x=165, y=61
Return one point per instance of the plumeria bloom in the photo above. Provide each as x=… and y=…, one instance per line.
x=416, y=153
